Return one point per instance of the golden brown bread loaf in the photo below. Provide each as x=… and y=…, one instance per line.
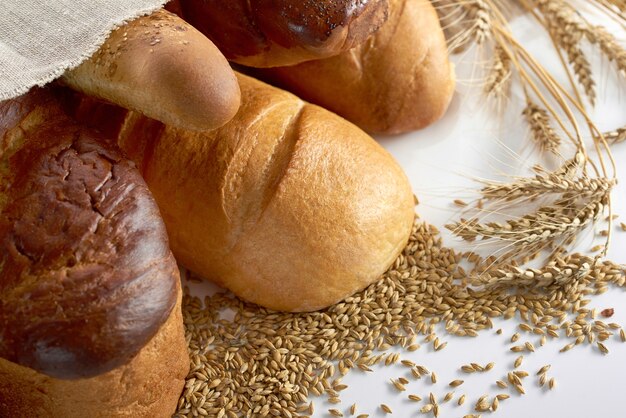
x=269, y=33
x=399, y=80
x=288, y=205
x=163, y=67
x=90, y=321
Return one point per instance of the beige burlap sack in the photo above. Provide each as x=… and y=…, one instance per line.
x=40, y=39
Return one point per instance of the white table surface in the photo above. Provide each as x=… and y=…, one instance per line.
x=472, y=140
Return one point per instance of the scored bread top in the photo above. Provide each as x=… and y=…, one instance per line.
x=86, y=274
x=268, y=33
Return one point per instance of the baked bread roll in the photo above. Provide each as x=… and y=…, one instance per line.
x=269, y=33
x=163, y=67
x=287, y=205
x=90, y=320
x=399, y=80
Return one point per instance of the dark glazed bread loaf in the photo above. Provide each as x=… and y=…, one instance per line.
x=87, y=279
x=269, y=33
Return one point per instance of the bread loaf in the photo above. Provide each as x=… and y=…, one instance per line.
x=163, y=67
x=399, y=80
x=288, y=205
x=90, y=321
x=264, y=33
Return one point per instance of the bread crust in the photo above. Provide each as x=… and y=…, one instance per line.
x=161, y=66
x=399, y=80
x=269, y=33
x=288, y=205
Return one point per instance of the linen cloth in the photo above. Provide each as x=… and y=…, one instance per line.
x=40, y=39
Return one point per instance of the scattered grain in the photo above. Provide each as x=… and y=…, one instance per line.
x=501, y=384
x=456, y=383
x=544, y=369
x=552, y=383
x=460, y=203
x=426, y=408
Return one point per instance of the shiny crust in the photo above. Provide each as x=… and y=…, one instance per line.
x=162, y=67
x=86, y=275
x=288, y=205
x=148, y=386
x=398, y=81
x=268, y=33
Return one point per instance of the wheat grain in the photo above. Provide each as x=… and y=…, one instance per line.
x=544, y=369
x=482, y=404
x=456, y=383
x=426, y=408
x=266, y=362
x=494, y=404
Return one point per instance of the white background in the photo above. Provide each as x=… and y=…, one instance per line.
x=473, y=140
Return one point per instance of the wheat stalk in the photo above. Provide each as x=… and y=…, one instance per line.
x=578, y=193
x=567, y=30
x=559, y=271
x=554, y=223
x=580, y=201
